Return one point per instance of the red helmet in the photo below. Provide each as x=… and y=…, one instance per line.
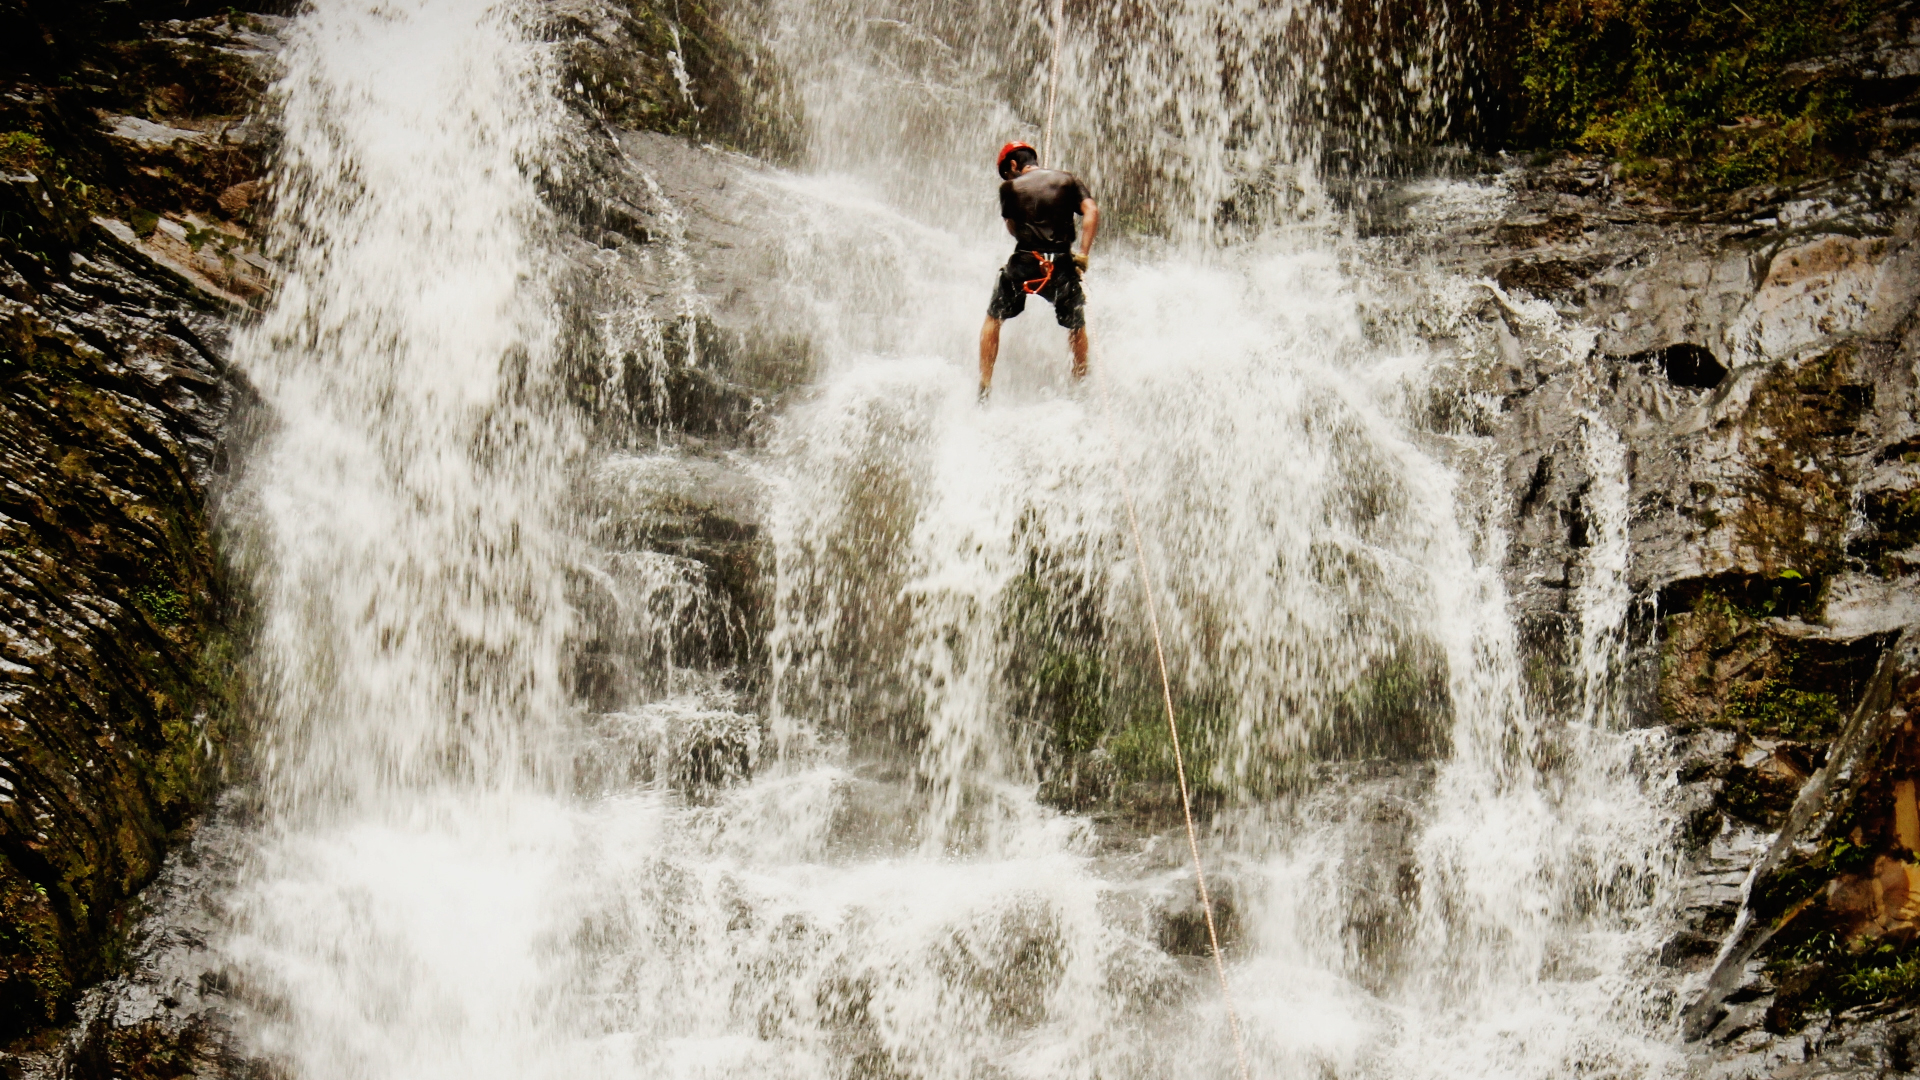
x=1000, y=163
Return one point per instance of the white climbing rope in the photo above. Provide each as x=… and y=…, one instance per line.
x=1173, y=724
x=1153, y=610
x=1053, y=80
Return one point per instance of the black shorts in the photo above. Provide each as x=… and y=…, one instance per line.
x=1052, y=278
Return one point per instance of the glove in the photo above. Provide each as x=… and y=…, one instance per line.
x=1079, y=262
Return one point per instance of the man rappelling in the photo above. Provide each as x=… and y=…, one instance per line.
x=1038, y=205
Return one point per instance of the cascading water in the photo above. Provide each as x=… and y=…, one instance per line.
x=942, y=851
x=406, y=552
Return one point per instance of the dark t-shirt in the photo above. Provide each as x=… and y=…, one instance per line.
x=1041, y=204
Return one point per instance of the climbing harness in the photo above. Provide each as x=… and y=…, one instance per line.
x=1146, y=588
x=1032, y=286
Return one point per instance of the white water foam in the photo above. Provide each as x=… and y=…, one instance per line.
x=399, y=523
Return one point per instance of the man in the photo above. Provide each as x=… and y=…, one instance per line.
x=1038, y=205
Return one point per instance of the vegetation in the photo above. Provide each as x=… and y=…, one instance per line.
x=1081, y=701
x=1826, y=974
x=1775, y=707
x=166, y=604
x=1802, y=876
x=1695, y=96
x=1063, y=670
x=34, y=979
x=1096, y=718
x=22, y=151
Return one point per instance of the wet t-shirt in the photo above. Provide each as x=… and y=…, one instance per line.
x=1041, y=204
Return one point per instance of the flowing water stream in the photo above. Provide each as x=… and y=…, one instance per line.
x=933, y=840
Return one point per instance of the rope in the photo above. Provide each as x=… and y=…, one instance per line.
x=1153, y=610
x=1053, y=79
x=1173, y=725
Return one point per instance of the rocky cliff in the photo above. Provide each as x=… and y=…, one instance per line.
x=128, y=172
x=1752, y=363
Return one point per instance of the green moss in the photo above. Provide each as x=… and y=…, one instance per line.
x=23, y=151
x=1693, y=96
x=1064, y=671
x=1771, y=687
x=55, y=367
x=164, y=603
x=1774, y=707
x=1082, y=693
x=1143, y=748
x=1795, y=503
x=1739, y=604
x=34, y=980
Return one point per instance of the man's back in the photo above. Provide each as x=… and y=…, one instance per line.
x=1041, y=204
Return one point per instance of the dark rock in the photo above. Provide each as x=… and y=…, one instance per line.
x=1853, y=804
x=1554, y=279
x=117, y=678
x=169, y=1009
x=1687, y=364
x=1688, y=947
x=1183, y=922
x=677, y=69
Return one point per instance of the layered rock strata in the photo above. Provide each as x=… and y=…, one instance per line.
x=127, y=193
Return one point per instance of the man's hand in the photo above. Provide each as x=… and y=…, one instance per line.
x=1080, y=261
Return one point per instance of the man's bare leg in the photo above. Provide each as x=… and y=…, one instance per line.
x=1077, y=340
x=989, y=352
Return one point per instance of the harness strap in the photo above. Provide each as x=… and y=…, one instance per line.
x=1033, y=285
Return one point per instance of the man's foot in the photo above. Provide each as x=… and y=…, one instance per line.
x=986, y=391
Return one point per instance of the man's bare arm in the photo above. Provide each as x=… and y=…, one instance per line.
x=1090, y=226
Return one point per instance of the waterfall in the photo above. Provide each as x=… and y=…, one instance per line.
x=936, y=844
x=399, y=521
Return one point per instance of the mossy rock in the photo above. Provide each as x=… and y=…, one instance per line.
x=1728, y=667
x=1793, y=518
x=680, y=69
x=120, y=686
x=1696, y=99
x=1088, y=699
x=36, y=982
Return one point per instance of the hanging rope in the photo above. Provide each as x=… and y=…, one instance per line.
x=1153, y=610
x=1173, y=725
x=1053, y=80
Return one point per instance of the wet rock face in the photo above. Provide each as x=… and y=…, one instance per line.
x=650, y=65
x=117, y=670
x=1756, y=363
x=1755, y=366
x=128, y=192
x=168, y=1009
